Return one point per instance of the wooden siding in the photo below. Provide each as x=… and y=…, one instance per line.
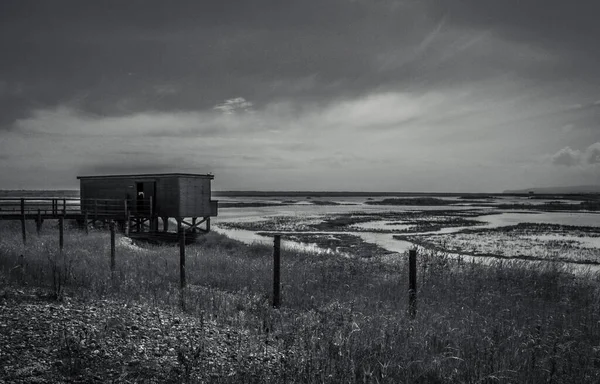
x=175, y=195
x=167, y=197
x=194, y=197
x=106, y=189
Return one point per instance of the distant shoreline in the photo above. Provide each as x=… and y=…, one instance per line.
x=75, y=193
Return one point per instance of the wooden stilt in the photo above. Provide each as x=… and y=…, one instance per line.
x=38, y=222
x=181, y=253
x=23, y=229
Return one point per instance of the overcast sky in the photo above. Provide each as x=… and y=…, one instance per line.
x=371, y=95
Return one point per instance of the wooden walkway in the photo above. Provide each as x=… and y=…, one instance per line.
x=132, y=216
x=85, y=212
x=15, y=208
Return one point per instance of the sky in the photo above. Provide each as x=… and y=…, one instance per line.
x=341, y=95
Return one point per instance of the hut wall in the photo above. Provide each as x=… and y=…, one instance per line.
x=105, y=189
x=194, y=197
x=167, y=197
x=174, y=196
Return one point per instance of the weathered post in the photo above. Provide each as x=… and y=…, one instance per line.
x=181, y=253
x=95, y=211
x=61, y=234
x=23, y=231
x=85, y=223
x=105, y=212
x=412, y=282
x=127, y=223
x=112, y=245
x=38, y=222
x=276, y=271
x=64, y=207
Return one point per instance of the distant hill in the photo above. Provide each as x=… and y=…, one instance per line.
x=559, y=190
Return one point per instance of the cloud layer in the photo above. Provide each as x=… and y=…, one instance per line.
x=316, y=94
x=574, y=157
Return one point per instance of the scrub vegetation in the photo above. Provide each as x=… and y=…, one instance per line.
x=64, y=317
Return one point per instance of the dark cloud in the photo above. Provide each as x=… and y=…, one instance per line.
x=567, y=28
x=115, y=58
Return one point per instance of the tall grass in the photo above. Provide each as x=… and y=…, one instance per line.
x=345, y=319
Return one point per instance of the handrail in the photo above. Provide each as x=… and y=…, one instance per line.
x=57, y=206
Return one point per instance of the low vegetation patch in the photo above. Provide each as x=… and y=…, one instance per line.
x=526, y=241
x=413, y=201
x=342, y=320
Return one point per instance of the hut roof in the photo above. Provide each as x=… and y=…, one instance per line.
x=148, y=175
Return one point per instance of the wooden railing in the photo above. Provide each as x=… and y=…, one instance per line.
x=69, y=206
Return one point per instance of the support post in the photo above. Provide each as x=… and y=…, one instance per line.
x=412, y=282
x=165, y=221
x=61, y=234
x=127, y=223
x=194, y=224
x=64, y=207
x=181, y=253
x=85, y=223
x=95, y=211
x=125, y=211
x=23, y=230
x=38, y=222
x=208, y=224
x=112, y=245
x=276, y=271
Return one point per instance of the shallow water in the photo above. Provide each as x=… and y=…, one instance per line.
x=303, y=212
x=382, y=224
x=584, y=219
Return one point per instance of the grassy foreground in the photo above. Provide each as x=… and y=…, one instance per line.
x=65, y=317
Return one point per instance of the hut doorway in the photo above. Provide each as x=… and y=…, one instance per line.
x=145, y=197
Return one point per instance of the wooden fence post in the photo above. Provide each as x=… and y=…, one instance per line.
x=276, y=271
x=85, y=223
x=61, y=234
x=38, y=222
x=95, y=211
x=127, y=223
x=112, y=245
x=23, y=230
x=412, y=282
x=64, y=207
x=181, y=253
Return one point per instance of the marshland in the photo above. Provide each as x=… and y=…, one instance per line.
x=503, y=296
